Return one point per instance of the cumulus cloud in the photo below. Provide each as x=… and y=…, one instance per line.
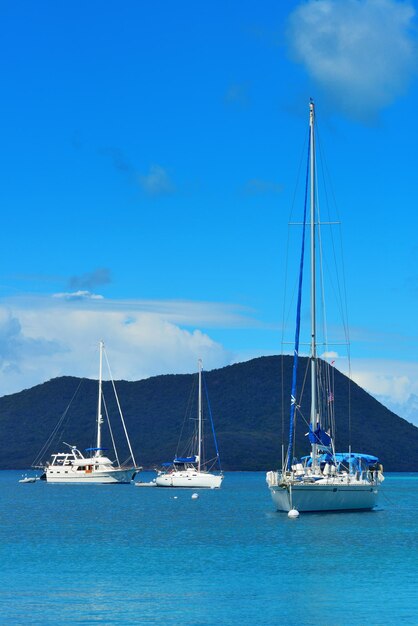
x=156, y=182
x=41, y=338
x=392, y=382
x=396, y=379
x=360, y=53
x=17, y=347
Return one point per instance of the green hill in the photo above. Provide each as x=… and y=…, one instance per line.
x=248, y=408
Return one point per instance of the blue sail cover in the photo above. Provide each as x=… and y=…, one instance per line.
x=186, y=459
x=319, y=436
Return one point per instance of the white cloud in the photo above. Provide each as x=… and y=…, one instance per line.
x=41, y=338
x=78, y=295
x=360, y=53
x=392, y=382
x=329, y=355
x=156, y=182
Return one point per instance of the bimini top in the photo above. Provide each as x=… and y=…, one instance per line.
x=186, y=459
x=344, y=457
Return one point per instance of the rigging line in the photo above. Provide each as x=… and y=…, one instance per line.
x=49, y=441
x=298, y=311
x=341, y=288
x=333, y=391
x=120, y=409
x=304, y=381
x=292, y=208
x=306, y=420
x=285, y=317
x=322, y=282
x=338, y=299
x=282, y=398
x=187, y=413
x=211, y=421
x=329, y=404
x=110, y=428
x=326, y=404
x=343, y=296
x=299, y=404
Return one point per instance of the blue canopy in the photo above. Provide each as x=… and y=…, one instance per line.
x=346, y=457
x=166, y=464
x=186, y=459
x=355, y=458
x=95, y=449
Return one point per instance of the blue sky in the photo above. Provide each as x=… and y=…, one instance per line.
x=149, y=160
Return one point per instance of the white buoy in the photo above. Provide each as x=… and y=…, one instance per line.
x=175, y=497
x=195, y=496
x=293, y=514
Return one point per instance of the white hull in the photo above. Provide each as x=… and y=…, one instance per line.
x=107, y=477
x=189, y=479
x=325, y=497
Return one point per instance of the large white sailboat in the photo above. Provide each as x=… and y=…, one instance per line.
x=72, y=466
x=324, y=480
x=191, y=471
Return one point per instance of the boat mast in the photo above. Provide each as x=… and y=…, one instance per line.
x=200, y=415
x=313, y=280
x=99, y=403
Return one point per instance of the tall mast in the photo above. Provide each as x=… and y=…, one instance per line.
x=313, y=278
x=200, y=413
x=99, y=404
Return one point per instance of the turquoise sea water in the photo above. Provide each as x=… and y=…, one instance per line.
x=125, y=555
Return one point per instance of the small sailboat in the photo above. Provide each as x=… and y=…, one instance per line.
x=191, y=470
x=324, y=480
x=92, y=467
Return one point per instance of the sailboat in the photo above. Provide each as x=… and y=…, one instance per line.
x=323, y=480
x=191, y=471
x=92, y=467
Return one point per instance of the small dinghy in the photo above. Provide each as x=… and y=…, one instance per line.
x=29, y=479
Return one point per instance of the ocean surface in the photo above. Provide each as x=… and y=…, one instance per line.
x=118, y=554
